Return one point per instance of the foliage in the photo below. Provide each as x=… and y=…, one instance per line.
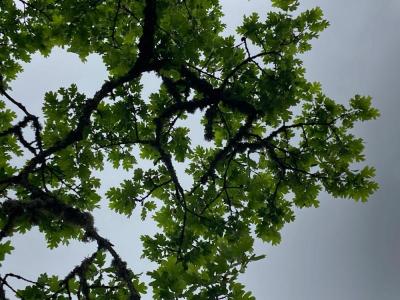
x=274, y=140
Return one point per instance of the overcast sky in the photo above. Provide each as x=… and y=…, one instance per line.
x=342, y=250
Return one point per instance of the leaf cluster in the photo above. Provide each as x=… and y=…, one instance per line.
x=272, y=141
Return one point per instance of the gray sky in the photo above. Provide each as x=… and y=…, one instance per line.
x=342, y=250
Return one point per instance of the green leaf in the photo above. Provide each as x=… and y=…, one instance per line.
x=5, y=248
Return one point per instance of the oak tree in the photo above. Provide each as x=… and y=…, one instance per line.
x=272, y=141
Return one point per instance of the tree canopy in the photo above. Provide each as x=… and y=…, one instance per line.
x=272, y=141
